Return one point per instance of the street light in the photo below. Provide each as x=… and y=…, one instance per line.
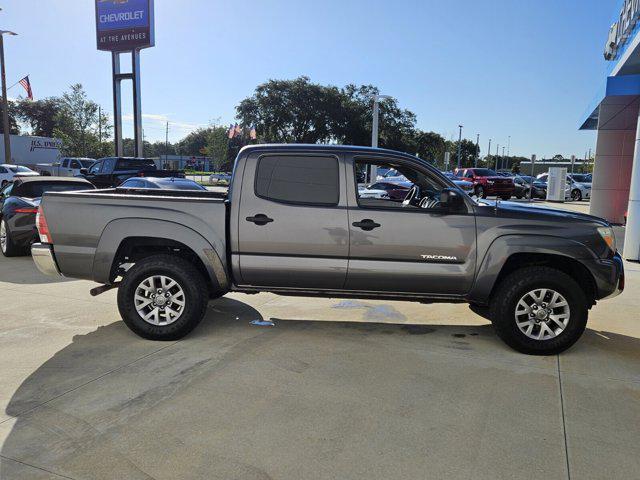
x=459, y=145
x=376, y=119
x=373, y=172
x=5, y=103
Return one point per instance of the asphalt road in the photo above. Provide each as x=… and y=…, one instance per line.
x=335, y=389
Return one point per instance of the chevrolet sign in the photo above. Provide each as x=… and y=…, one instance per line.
x=124, y=24
x=620, y=31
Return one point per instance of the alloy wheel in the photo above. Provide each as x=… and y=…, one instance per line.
x=542, y=314
x=159, y=300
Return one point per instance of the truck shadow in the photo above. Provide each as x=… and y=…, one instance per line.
x=70, y=416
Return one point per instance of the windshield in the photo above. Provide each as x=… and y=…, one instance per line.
x=484, y=172
x=18, y=169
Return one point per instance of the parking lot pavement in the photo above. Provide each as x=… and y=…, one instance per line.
x=335, y=389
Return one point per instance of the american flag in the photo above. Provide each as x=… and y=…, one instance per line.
x=26, y=84
x=232, y=131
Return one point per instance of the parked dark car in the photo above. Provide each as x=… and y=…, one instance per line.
x=19, y=203
x=523, y=186
x=112, y=171
x=487, y=182
x=163, y=183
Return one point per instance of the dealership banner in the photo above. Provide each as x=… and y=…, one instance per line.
x=124, y=24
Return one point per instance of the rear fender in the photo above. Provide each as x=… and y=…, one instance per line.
x=119, y=230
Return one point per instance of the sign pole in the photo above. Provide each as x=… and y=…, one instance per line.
x=533, y=162
x=137, y=104
x=117, y=104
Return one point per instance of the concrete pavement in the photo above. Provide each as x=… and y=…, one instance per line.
x=336, y=389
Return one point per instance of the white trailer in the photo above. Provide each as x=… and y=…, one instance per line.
x=29, y=151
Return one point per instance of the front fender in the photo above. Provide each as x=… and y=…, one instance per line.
x=505, y=246
x=119, y=230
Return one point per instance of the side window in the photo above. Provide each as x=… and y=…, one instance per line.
x=95, y=168
x=108, y=165
x=411, y=188
x=3, y=170
x=64, y=163
x=297, y=179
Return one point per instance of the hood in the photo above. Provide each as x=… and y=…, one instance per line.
x=526, y=211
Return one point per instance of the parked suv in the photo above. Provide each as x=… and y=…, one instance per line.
x=487, y=182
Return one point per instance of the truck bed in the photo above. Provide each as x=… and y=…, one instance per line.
x=88, y=227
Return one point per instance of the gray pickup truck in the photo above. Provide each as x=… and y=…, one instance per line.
x=292, y=223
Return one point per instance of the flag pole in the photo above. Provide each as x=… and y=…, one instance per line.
x=17, y=82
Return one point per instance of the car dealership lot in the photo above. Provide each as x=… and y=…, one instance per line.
x=335, y=389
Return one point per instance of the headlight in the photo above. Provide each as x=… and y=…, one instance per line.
x=608, y=236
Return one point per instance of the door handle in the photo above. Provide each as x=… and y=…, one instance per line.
x=260, y=219
x=366, y=224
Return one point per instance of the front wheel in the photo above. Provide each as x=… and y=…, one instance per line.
x=505, y=197
x=480, y=193
x=576, y=195
x=539, y=311
x=163, y=297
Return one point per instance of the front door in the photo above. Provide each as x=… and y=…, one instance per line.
x=292, y=226
x=408, y=244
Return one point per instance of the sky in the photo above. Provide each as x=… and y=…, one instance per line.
x=502, y=68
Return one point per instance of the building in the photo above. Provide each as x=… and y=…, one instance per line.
x=614, y=114
x=543, y=166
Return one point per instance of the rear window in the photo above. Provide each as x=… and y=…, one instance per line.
x=135, y=163
x=36, y=189
x=297, y=179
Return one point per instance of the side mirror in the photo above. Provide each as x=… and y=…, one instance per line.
x=451, y=199
x=84, y=171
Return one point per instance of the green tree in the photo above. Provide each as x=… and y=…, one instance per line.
x=40, y=115
x=291, y=111
x=467, y=152
x=78, y=125
x=429, y=146
x=218, y=145
x=194, y=144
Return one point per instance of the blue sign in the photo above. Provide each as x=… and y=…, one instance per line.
x=124, y=24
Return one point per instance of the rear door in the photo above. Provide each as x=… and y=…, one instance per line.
x=409, y=245
x=292, y=225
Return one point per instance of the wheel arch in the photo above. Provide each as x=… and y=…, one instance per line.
x=153, y=237
x=509, y=253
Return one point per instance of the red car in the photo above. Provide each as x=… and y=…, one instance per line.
x=487, y=182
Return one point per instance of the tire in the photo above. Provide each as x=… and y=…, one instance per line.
x=189, y=280
x=480, y=193
x=519, y=197
x=3, y=184
x=506, y=197
x=527, y=194
x=576, y=195
x=7, y=246
x=506, y=300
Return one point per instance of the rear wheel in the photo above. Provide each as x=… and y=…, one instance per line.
x=480, y=193
x=539, y=311
x=576, y=195
x=505, y=197
x=7, y=245
x=163, y=297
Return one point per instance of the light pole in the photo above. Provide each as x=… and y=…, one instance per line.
x=376, y=118
x=475, y=163
x=502, y=160
x=489, y=149
x=509, y=147
x=459, y=146
x=5, y=102
x=373, y=173
x=497, y=153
